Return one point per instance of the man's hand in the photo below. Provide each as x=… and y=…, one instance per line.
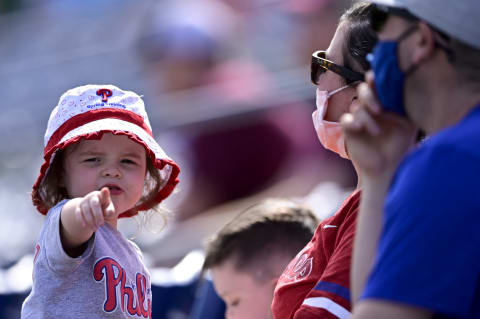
x=376, y=140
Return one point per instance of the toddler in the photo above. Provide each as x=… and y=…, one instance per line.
x=101, y=164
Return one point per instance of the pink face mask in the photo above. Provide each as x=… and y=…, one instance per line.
x=329, y=133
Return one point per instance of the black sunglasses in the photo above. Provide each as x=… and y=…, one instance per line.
x=320, y=65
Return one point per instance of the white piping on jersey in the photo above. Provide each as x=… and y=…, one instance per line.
x=329, y=226
x=329, y=305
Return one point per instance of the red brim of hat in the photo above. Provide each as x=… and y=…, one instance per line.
x=167, y=167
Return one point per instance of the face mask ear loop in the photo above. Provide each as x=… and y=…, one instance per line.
x=337, y=90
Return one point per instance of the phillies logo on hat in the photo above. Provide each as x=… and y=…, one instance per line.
x=105, y=93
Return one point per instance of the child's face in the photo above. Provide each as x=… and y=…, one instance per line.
x=115, y=162
x=244, y=296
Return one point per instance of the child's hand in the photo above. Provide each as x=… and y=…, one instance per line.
x=94, y=208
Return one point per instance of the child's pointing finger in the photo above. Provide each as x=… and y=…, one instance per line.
x=106, y=201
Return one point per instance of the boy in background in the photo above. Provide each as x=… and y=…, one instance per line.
x=248, y=254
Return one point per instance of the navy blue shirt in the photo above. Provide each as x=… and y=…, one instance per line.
x=429, y=250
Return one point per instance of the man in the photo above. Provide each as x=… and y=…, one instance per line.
x=416, y=247
x=247, y=255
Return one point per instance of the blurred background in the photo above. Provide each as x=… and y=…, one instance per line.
x=226, y=85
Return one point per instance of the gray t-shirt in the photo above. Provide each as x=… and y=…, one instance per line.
x=109, y=280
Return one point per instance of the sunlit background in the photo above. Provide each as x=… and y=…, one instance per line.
x=226, y=85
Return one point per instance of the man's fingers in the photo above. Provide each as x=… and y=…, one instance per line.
x=367, y=121
x=370, y=79
x=360, y=121
x=368, y=99
x=348, y=123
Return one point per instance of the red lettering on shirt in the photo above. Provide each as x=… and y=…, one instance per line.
x=114, y=277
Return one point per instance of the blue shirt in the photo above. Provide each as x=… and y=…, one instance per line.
x=429, y=250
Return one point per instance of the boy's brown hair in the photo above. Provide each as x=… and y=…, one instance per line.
x=262, y=232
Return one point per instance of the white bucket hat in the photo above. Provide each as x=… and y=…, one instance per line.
x=458, y=19
x=86, y=112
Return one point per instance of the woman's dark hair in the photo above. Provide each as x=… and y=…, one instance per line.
x=359, y=36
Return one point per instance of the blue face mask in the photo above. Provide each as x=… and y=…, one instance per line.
x=389, y=79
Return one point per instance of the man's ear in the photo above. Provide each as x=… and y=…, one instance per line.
x=423, y=43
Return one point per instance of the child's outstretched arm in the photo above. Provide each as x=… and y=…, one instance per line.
x=81, y=217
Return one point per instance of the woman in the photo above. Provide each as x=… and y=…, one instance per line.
x=316, y=283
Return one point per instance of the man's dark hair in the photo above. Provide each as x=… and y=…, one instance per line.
x=359, y=36
x=261, y=233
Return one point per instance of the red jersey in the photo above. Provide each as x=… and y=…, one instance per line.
x=316, y=283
